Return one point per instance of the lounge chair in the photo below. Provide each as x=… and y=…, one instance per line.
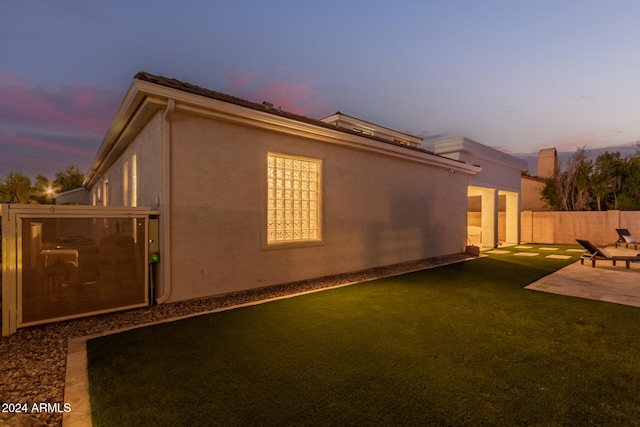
x=594, y=254
x=625, y=238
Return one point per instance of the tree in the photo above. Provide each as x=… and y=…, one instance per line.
x=611, y=182
x=608, y=180
x=17, y=188
x=629, y=199
x=550, y=193
x=569, y=190
x=68, y=180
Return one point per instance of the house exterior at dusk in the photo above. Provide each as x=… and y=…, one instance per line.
x=251, y=196
x=194, y=193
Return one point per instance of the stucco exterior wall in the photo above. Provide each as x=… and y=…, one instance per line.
x=495, y=176
x=377, y=210
x=147, y=147
x=565, y=227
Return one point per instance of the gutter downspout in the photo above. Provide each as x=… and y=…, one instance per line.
x=165, y=203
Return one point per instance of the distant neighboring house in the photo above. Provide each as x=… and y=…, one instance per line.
x=532, y=186
x=531, y=194
x=75, y=196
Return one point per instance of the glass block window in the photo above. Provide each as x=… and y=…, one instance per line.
x=293, y=199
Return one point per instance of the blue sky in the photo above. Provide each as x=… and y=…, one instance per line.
x=516, y=75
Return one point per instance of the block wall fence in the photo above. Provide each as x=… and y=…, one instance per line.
x=565, y=227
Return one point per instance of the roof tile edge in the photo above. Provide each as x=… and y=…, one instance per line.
x=266, y=107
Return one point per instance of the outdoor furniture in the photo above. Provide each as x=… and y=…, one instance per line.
x=593, y=254
x=625, y=238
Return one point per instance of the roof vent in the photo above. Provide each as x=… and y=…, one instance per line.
x=267, y=105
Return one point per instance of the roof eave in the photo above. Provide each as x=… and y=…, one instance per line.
x=136, y=109
x=144, y=98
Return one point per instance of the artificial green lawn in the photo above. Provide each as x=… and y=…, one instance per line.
x=458, y=344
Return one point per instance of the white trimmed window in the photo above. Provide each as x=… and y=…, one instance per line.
x=293, y=199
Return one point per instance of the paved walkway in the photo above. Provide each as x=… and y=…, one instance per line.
x=604, y=282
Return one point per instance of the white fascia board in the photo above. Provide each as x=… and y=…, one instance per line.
x=130, y=102
x=144, y=99
x=500, y=187
x=134, y=111
x=199, y=105
x=476, y=149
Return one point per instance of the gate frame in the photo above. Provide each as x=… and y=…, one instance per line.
x=11, y=216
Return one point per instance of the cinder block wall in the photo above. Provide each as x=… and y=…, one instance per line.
x=565, y=227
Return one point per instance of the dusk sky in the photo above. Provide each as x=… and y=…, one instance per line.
x=515, y=75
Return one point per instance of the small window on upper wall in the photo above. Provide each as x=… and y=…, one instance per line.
x=294, y=194
x=134, y=181
x=363, y=131
x=125, y=183
x=105, y=193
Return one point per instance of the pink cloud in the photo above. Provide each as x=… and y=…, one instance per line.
x=83, y=96
x=570, y=143
x=239, y=80
x=36, y=153
x=45, y=126
x=294, y=97
x=63, y=107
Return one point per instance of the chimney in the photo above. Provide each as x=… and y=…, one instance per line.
x=547, y=163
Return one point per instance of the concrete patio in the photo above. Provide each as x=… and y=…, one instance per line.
x=603, y=283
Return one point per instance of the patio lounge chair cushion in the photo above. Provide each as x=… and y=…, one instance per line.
x=605, y=253
x=594, y=253
x=626, y=238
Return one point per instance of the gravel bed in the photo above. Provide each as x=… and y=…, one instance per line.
x=33, y=360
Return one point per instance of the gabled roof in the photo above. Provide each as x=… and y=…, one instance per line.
x=534, y=178
x=149, y=94
x=265, y=106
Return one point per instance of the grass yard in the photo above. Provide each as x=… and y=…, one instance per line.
x=454, y=345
